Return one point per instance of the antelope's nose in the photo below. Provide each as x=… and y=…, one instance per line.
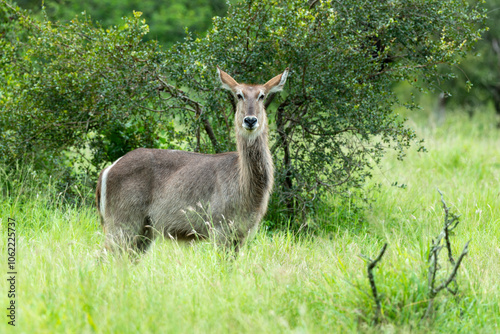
x=250, y=122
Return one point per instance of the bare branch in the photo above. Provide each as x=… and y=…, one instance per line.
x=450, y=222
x=211, y=134
x=198, y=109
x=453, y=273
x=198, y=142
x=449, y=225
x=312, y=3
x=371, y=265
x=180, y=94
x=269, y=100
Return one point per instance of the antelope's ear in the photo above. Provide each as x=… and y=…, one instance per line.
x=277, y=83
x=226, y=80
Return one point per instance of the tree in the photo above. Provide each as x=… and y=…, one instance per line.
x=332, y=124
x=336, y=120
x=79, y=87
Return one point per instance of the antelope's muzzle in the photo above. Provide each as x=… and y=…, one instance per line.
x=250, y=123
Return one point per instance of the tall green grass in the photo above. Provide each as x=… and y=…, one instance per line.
x=279, y=282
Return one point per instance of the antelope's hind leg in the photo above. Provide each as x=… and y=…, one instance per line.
x=143, y=241
x=227, y=238
x=130, y=235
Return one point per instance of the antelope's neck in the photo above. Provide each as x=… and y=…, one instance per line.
x=256, y=169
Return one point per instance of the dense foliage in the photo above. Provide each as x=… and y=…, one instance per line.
x=335, y=120
x=481, y=69
x=79, y=87
x=167, y=19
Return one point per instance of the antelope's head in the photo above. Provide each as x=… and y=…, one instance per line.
x=250, y=118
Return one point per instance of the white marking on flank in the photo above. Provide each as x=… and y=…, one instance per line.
x=102, y=204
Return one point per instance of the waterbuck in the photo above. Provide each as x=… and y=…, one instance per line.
x=186, y=195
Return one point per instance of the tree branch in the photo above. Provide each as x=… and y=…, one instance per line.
x=198, y=108
x=449, y=224
x=371, y=265
x=269, y=100
x=453, y=273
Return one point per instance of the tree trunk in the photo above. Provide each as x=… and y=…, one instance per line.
x=287, y=161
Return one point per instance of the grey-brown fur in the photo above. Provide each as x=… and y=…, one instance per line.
x=188, y=195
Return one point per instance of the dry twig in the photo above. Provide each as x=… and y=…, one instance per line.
x=450, y=223
x=371, y=265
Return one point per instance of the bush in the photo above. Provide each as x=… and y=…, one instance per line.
x=102, y=92
x=82, y=87
x=335, y=121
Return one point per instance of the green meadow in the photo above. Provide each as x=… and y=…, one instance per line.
x=280, y=282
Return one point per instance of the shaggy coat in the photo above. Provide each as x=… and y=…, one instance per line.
x=187, y=195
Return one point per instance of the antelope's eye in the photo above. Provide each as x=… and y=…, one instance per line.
x=261, y=97
x=239, y=96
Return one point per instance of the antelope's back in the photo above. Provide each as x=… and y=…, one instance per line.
x=165, y=184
